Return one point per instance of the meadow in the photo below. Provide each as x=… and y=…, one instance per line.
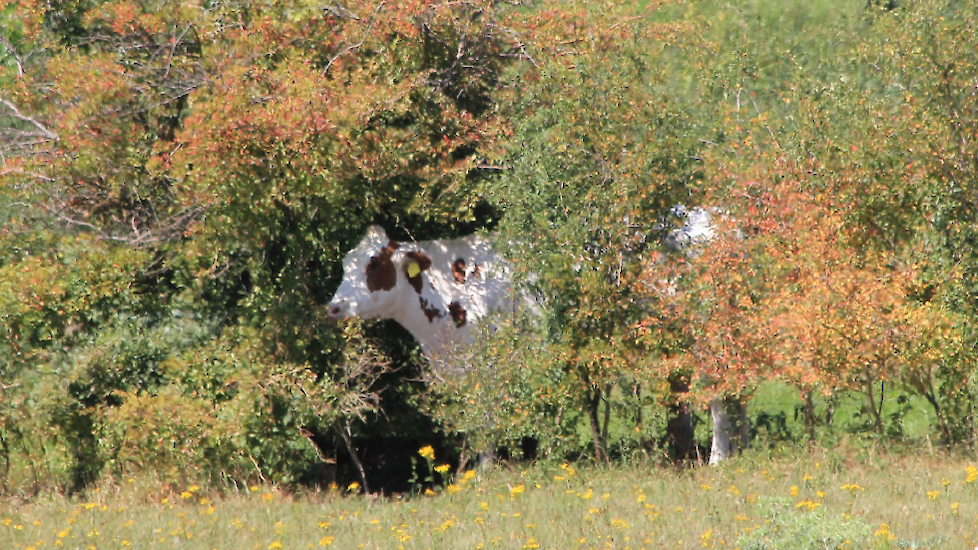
x=776, y=499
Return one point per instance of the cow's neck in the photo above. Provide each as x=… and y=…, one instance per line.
x=435, y=332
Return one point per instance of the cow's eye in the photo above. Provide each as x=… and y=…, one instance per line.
x=373, y=264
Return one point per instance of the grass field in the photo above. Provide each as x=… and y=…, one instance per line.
x=817, y=499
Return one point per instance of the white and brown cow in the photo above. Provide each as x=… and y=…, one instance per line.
x=438, y=290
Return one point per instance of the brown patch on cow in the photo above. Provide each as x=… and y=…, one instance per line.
x=458, y=313
x=430, y=311
x=458, y=271
x=423, y=261
x=381, y=273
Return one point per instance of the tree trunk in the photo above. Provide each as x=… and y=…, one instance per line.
x=345, y=434
x=877, y=413
x=607, y=412
x=680, y=443
x=731, y=429
x=808, y=415
x=594, y=401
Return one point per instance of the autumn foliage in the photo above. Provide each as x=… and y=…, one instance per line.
x=179, y=182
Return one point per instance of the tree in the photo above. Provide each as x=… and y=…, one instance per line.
x=597, y=158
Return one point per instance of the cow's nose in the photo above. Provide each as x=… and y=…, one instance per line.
x=334, y=311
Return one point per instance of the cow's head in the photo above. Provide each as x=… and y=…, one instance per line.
x=370, y=279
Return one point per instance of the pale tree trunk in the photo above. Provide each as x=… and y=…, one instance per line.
x=731, y=430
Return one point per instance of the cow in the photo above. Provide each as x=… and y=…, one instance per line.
x=442, y=290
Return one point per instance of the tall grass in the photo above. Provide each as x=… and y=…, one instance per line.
x=817, y=499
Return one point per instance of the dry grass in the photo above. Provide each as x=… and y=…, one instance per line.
x=805, y=500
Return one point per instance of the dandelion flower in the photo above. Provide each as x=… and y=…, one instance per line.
x=442, y=468
x=884, y=532
x=808, y=504
x=972, y=474
x=427, y=452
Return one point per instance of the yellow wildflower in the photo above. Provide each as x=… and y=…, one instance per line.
x=933, y=494
x=427, y=452
x=274, y=545
x=808, y=504
x=972, y=474
x=325, y=541
x=442, y=468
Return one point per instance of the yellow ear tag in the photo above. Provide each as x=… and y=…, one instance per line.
x=413, y=270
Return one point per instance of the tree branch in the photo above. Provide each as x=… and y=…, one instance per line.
x=13, y=53
x=15, y=113
x=363, y=39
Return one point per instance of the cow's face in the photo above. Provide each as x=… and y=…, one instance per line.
x=370, y=279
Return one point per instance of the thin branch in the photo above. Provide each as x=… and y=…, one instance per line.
x=17, y=114
x=13, y=53
x=519, y=44
x=21, y=172
x=363, y=39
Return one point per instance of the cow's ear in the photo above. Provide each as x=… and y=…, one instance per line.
x=377, y=232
